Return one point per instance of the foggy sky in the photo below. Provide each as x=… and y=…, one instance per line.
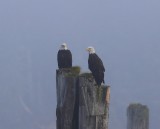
x=125, y=34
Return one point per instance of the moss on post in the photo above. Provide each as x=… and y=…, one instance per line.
x=71, y=72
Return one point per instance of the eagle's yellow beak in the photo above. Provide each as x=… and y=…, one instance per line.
x=87, y=49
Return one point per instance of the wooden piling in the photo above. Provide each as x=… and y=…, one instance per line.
x=137, y=116
x=80, y=103
x=93, y=103
x=66, y=97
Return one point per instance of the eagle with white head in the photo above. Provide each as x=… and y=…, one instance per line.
x=96, y=66
x=64, y=57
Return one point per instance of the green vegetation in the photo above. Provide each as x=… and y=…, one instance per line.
x=74, y=71
x=101, y=93
x=104, y=91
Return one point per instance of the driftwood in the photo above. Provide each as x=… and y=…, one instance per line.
x=80, y=103
x=137, y=116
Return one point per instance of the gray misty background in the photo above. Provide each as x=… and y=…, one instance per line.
x=125, y=34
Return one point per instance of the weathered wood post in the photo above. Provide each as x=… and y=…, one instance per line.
x=93, y=103
x=81, y=104
x=137, y=116
x=66, y=80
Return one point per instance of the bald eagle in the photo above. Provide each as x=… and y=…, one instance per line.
x=95, y=65
x=64, y=57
